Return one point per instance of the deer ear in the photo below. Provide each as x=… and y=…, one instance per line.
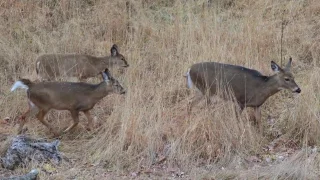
x=288, y=66
x=114, y=50
x=275, y=67
x=105, y=75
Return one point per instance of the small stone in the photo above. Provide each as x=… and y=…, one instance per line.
x=281, y=158
x=268, y=160
x=134, y=174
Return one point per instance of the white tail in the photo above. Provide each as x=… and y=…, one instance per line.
x=17, y=85
x=189, y=81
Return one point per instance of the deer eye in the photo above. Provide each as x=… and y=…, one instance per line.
x=286, y=79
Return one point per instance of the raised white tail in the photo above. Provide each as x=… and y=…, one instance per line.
x=17, y=85
x=189, y=81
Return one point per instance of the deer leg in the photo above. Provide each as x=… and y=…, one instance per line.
x=90, y=120
x=24, y=115
x=257, y=115
x=30, y=106
x=41, y=114
x=208, y=100
x=22, y=119
x=75, y=117
x=240, y=111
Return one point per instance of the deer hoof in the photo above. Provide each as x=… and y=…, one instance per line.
x=56, y=134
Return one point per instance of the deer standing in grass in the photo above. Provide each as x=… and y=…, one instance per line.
x=250, y=87
x=71, y=96
x=51, y=66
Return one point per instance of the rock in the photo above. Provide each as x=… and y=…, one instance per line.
x=314, y=150
x=280, y=158
x=24, y=149
x=268, y=160
x=32, y=175
x=134, y=174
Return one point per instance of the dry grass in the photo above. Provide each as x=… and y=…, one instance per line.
x=148, y=131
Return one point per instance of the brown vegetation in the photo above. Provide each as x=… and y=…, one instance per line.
x=148, y=133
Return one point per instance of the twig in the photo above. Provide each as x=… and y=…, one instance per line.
x=283, y=25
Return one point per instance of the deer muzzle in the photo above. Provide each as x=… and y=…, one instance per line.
x=298, y=90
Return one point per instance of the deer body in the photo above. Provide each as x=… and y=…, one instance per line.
x=249, y=87
x=71, y=96
x=67, y=95
x=51, y=66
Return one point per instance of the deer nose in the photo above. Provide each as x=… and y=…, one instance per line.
x=298, y=90
x=123, y=92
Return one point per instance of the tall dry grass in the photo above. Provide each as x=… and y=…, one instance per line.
x=160, y=40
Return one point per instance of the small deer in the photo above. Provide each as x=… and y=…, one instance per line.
x=71, y=96
x=250, y=87
x=52, y=66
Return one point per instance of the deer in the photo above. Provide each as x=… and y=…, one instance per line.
x=53, y=66
x=249, y=87
x=72, y=96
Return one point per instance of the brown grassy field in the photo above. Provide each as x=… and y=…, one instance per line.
x=147, y=134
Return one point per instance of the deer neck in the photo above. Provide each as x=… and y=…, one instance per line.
x=100, y=91
x=107, y=61
x=269, y=88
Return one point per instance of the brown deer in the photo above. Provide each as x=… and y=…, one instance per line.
x=53, y=66
x=71, y=96
x=249, y=87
